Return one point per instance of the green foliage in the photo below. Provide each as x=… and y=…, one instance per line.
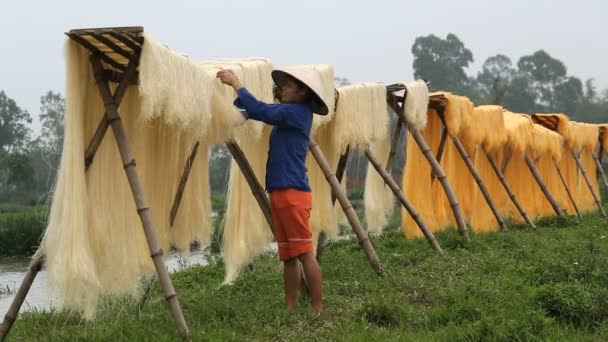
x=442, y=62
x=21, y=230
x=576, y=304
x=537, y=83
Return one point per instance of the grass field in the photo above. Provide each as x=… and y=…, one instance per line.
x=548, y=284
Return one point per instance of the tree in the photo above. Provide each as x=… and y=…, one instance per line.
x=519, y=97
x=442, y=62
x=15, y=174
x=219, y=168
x=14, y=132
x=545, y=74
x=46, y=150
x=341, y=81
x=495, y=78
x=568, y=96
x=52, y=111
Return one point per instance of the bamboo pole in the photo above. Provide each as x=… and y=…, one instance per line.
x=89, y=155
x=600, y=153
x=340, y=169
x=426, y=150
x=430, y=238
x=542, y=185
x=507, y=187
x=506, y=160
x=394, y=142
x=440, y=150
x=24, y=288
x=256, y=187
x=601, y=171
x=139, y=197
x=182, y=184
x=475, y=174
x=561, y=177
x=364, y=240
x=586, y=177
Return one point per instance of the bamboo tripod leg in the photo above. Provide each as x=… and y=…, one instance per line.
x=394, y=142
x=89, y=155
x=586, y=177
x=341, y=168
x=24, y=288
x=426, y=150
x=561, y=177
x=430, y=238
x=507, y=188
x=600, y=169
x=182, y=184
x=139, y=197
x=346, y=206
x=479, y=182
x=440, y=150
x=254, y=184
x=542, y=185
x=174, y=208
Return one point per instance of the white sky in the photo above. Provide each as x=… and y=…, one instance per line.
x=364, y=40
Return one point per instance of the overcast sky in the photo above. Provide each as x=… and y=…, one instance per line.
x=365, y=40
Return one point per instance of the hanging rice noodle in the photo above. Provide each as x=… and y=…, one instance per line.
x=581, y=139
x=416, y=103
x=170, y=86
x=586, y=139
x=428, y=198
x=94, y=242
x=483, y=129
x=361, y=116
x=246, y=231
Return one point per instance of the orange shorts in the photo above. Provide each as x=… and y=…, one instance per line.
x=290, y=210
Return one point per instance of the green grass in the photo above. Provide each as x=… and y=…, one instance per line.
x=548, y=284
x=21, y=229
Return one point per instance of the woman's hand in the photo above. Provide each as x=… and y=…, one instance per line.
x=228, y=77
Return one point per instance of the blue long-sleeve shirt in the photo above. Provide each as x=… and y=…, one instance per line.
x=285, y=167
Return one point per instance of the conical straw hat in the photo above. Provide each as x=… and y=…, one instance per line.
x=308, y=76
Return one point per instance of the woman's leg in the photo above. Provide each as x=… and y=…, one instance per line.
x=291, y=278
x=314, y=279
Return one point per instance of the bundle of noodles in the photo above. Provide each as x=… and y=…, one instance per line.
x=519, y=130
x=546, y=150
x=485, y=132
x=361, y=116
x=567, y=164
x=457, y=114
x=94, y=242
x=458, y=111
x=246, y=231
x=177, y=91
x=586, y=139
x=581, y=139
x=416, y=103
x=417, y=184
x=361, y=120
